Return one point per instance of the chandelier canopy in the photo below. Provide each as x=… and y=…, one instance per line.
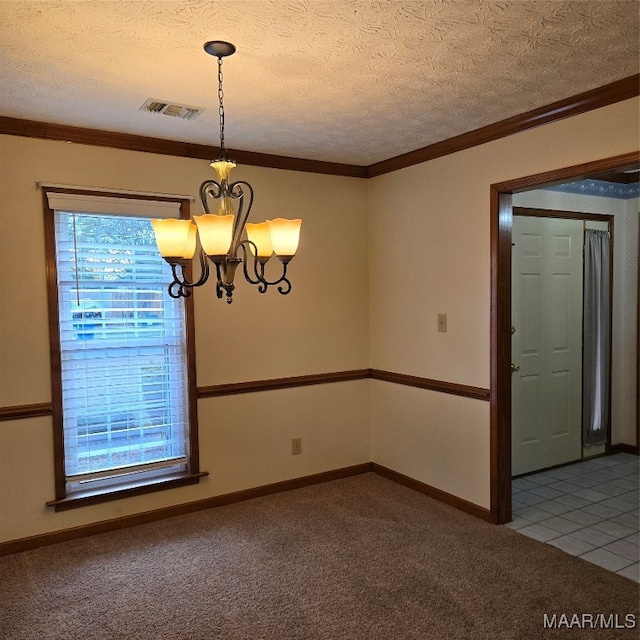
x=225, y=237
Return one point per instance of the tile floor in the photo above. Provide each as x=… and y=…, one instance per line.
x=588, y=509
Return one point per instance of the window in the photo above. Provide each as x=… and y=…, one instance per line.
x=124, y=420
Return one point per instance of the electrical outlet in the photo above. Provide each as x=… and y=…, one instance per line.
x=296, y=446
x=442, y=322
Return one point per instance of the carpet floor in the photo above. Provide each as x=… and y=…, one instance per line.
x=359, y=558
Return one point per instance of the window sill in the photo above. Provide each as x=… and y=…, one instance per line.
x=76, y=499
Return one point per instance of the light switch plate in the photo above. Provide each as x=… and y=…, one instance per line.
x=442, y=322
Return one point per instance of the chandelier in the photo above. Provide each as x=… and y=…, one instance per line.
x=222, y=234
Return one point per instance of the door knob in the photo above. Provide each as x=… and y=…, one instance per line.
x=513, y=330
x=515, y=367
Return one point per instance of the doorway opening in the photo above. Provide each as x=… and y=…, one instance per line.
x=501, y=301
x=561, y=326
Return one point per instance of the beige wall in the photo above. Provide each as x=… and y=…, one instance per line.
x=322, y=326
x=353, y=305
x=436, y=438
x=245, y=441
x=429, y=254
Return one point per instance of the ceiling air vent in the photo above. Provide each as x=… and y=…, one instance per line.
x=171, y=109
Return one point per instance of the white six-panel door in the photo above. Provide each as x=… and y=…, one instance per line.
x=547, y=342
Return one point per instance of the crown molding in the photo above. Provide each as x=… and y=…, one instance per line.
x=130, y=142
x=581, y=103
x=601, y=97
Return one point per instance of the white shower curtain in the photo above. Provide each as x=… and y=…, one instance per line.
x=596, y=371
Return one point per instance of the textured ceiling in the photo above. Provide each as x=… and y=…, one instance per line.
x=351, y=81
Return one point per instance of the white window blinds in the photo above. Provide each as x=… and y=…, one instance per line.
x=122, y=342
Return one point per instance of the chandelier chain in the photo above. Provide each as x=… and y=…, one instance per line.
x=223, y=151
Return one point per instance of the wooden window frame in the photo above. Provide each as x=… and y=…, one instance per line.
x=65, y=499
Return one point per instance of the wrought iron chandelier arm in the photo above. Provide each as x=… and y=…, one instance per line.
x=176, y=291
x=235, y=188
x=287, y=283
x=246, y=256
x=204, y=270
x=245, y=203
x=219, y=291
x=180, y=286
x=259, y=269
x=282, y=278
x=209, y=187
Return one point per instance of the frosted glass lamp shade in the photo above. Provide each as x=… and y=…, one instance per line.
x=285, y=235
x=260, y=235
x=215, y=233
x=190, y=244
x=175, y=238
